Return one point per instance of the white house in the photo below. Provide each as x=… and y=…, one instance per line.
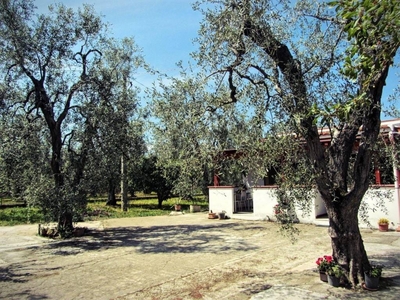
x=258, y=201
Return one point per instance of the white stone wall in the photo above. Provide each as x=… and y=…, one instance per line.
x=382, y=202
x=221, y=198
x=319, y=206
x=374, y=198
x=264, y=201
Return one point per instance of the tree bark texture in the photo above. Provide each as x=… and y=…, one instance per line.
x=124, y=185
x=347, y=244
x=111, y=200
x=160, y=201
x=65, y=214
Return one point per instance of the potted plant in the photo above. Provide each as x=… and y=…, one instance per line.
x=323, y=265
x=335, y=272
x=383, y=224
x=194, y=207
x=177, y=205
x=212, y=215
x=372, y=277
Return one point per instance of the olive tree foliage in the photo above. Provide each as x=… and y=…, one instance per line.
x=117, y=118
x=150, y=176
x=276, y=72
x=23, y=155
x=60, y=69
x=104, y=167
x=188, y=132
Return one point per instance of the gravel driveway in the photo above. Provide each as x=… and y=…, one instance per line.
x=182, y=257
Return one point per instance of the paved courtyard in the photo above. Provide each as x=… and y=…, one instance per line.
x=182, y=257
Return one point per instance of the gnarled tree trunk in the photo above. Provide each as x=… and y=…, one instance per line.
x=331, y=166
x=347, y=244
x=65, y=214
x=111, y=200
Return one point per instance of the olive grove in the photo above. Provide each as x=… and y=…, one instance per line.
x=70, y=86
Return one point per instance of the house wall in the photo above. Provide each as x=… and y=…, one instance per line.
x=264, y=200
x=319, y=206
x=379, y=203
x=253, y=180
x=221, y=198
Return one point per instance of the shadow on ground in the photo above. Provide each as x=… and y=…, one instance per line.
x=9, y=274
x=20, y=273
x=160, y=239
x=25, y=295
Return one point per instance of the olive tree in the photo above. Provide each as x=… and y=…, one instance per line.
x=278, y=71
x=150, y=176
x=188, y=132
x=117, y=118
x=59, y=63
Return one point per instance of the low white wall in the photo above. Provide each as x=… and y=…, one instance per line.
x=309, y=216
x=221, y=199
x=319, y=206
x=264, y=200
x=381, y=202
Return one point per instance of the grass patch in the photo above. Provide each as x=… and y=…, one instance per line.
x=98, y=210
x=10, y=202
x=20, y=215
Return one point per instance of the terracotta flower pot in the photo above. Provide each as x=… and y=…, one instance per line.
x=212, y=216
x=383, y=227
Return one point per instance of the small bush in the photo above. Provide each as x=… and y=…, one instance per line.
x=383, y=221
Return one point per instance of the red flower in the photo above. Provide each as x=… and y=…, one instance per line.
x=324, y=262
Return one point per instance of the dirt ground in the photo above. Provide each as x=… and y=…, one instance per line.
x=182, y=257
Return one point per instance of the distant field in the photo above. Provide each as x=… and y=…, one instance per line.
x=7, y=201
x=141, y=206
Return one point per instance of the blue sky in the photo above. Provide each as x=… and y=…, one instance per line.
x=164, y=29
